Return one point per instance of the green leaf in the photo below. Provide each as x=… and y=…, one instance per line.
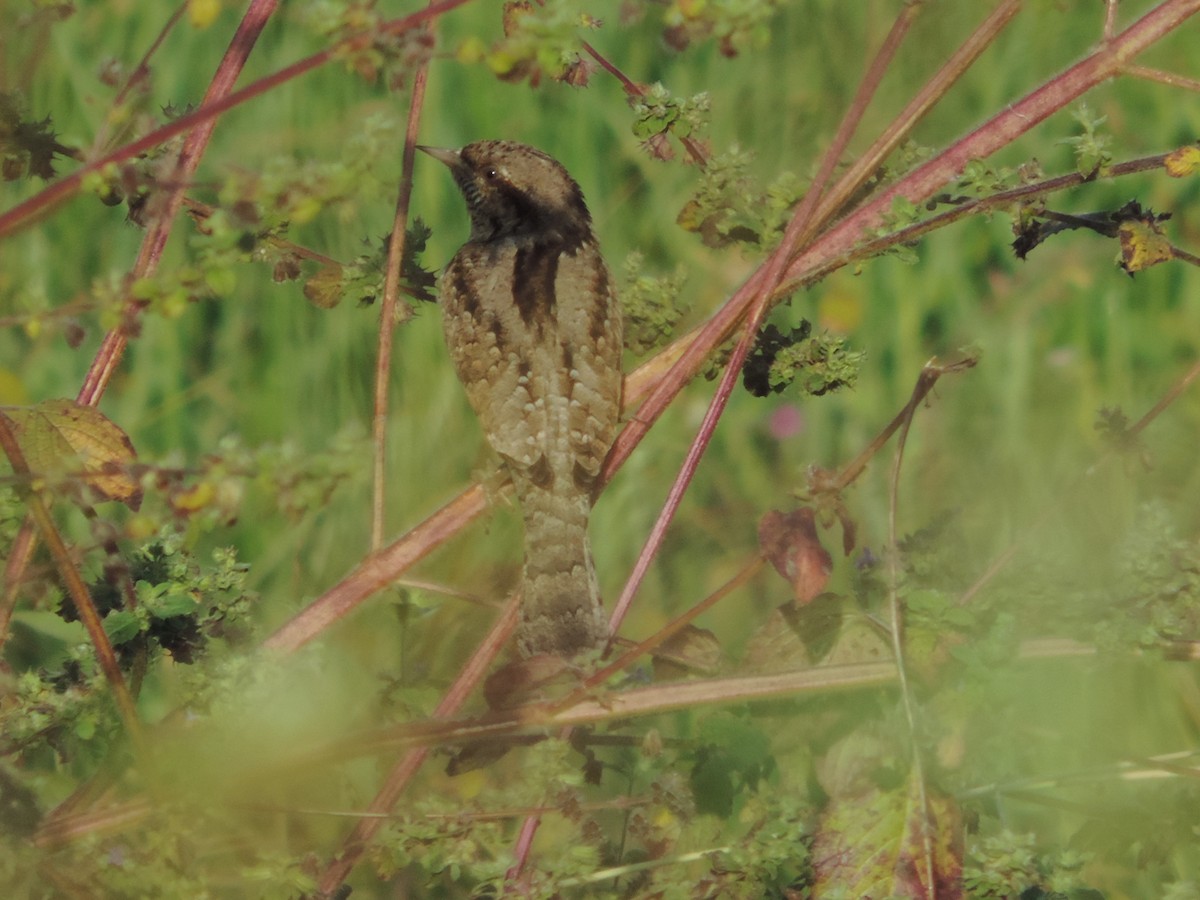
x=85, y=727
x=122, y=626
x=175, y=603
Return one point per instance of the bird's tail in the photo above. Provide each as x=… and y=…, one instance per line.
x=561, y=610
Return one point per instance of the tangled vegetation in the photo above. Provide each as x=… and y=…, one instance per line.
x=907, y=587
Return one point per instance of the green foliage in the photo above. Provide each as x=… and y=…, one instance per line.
x=1009, y=865
x=731, y=756
x=540, y=39
x=363, y=279
x=737, y=25
x=652, y=306
x=728, y=208
x=773, y=856
x=182, y=605
x=386, y=56
x=981, y=180
x=1154, y=600
x=1048, y=628
x=1093, y=154
x=441, y=847
x=819, y=363
x=657, y=114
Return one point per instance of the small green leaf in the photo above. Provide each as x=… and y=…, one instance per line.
x=85, y=727
x=122, y=626
x=173, y=604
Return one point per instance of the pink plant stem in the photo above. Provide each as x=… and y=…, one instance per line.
x=823, y=256
x=41, y=203
x=112, y=348
x=1001, y=130
x=759, y=289
x=387, y=311
x=230, y=67
x=379, y=570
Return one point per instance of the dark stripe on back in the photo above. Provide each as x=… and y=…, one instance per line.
x=598, y=322
x=535, y=268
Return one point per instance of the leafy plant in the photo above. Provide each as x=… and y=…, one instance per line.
x=222, y=677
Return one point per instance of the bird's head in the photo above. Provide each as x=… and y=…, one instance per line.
x=513, y=189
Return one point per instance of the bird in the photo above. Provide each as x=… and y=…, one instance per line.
x=535, y=333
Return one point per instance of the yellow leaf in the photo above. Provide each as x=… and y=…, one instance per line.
x=64, y=437
x=1183, y=162
x=194, y=498
x=1142, y=245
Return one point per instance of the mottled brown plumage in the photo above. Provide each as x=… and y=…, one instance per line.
x=534, y=330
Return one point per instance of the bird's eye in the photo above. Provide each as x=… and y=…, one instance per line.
x=490, y=173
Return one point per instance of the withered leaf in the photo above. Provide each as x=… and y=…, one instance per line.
x=62, y=437
x=26, y=145
x=1183, y=162
x=789, y=541
x=476, y=755
x=287, y=268
x=1108, y=223
x=324, y=289
x=658, y=146
x=1143, y=245
x=691, y=649
x=859, y=641
x=796, y=636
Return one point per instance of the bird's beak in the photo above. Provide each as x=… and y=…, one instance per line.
x=443, y=154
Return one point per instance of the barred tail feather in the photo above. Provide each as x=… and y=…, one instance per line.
x=561, y=611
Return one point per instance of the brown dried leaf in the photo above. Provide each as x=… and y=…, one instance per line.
x=658, y=146
x=578, y=72
x=689, y=650
x=62, y=437
x=849, y=528
x=860, y=641
x=287, y=268
x=796, y=636
x=789, y=541
x=775, y=647
x=324, y=289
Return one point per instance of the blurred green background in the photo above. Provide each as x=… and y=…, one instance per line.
x=1062, y=335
